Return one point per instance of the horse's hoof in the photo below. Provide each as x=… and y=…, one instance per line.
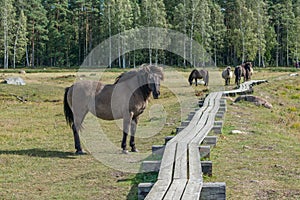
x=80, y=153
x=124, y=151
x=134, y=150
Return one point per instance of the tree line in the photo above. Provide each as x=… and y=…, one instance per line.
x=63, y=32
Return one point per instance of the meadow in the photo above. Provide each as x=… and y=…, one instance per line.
x=37, y=159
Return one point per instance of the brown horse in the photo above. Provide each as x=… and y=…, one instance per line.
x=244, y=70
x=199, y=74
x=125, y=99
x=248, y=71
x=239, y=72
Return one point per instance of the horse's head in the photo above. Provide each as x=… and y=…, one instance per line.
x=192, y=76
x=154, y=85
x=154, y=76
x=228, y=70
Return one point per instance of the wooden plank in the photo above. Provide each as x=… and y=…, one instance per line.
x=202, y=133
x=180, y=170
x=193, y=122
x=176, y=190
x=195, y=172
x=200, y=121
x=192, y=190
x=158, y=190
x=167, y=162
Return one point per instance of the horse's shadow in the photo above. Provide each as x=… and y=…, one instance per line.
x=37, y=152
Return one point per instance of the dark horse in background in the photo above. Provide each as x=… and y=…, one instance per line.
x=199, y=74
x=244, y=70
x=125, y=99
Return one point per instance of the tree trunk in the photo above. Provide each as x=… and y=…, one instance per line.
x=192, y=31
x=277, y=46
x=109, y=29
x=5, y=39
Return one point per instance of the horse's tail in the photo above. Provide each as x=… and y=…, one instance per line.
x=67, y=109
x=206, y=78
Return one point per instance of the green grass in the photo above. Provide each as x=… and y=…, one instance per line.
x=264, y=162
x=36, y=153
x=36, y=145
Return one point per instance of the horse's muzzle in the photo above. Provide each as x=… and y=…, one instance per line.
x=155, y=95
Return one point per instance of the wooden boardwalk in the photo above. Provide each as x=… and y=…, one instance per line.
x=180, y=171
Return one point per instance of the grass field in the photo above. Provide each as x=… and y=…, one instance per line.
x=37, y=158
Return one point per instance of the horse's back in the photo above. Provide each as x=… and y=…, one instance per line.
x=82, y=91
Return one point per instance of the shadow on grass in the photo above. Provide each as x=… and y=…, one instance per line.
x=36, y=152
x=139, y=178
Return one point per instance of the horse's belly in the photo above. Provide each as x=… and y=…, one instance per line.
x=107, y=113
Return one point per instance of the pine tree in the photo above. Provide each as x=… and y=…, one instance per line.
x=58, y=23
x=36, y=31
x=153, y=14
x=218, y=32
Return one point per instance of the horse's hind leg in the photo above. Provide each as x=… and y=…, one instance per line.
x=133, y=130
x=77, y=140
x=79, y=117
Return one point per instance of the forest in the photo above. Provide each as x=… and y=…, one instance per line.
x=61, y=33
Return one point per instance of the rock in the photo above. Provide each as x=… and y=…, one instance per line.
x=256, y=100
x=14, y=81
x=22, y=72
x=236, y=132
x=294, y=74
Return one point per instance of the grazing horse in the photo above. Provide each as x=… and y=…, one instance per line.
x=125, y=99
x=199, y=74
x=227, y=75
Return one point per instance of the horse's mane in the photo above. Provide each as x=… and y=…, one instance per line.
x=125, y=76
x=144, y=69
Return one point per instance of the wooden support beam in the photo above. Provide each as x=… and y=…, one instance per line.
x=168, y=138
x=185, y=123
x=190, y=116
x=210, y=140
x=223, y=102
x=158, y=149
x=201, y=102
x=220, y=114
x=151, y=165
x=206, y=167
x=217, y=128
x=213, y=191
x=204, y=151
x=143, y=190
x=180, y=128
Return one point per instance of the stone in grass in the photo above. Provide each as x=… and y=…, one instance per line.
x=14, y=81
x=237, y=132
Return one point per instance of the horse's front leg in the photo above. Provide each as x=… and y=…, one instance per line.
x=126, y=125
x=196, y=81
x=134, y=122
